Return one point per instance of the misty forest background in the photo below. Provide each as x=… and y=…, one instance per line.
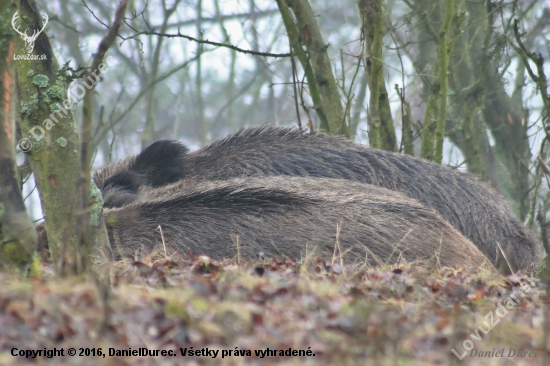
x=198, y=70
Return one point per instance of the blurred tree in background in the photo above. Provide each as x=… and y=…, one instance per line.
x=443, y=80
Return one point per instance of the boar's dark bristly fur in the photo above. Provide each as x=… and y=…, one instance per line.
x=285, y=217
x=473, y=208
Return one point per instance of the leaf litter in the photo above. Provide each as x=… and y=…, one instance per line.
x=394, y=315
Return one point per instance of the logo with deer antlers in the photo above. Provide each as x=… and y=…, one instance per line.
x=29, y=40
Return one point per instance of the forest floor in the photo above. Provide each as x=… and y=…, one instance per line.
x=198, y=311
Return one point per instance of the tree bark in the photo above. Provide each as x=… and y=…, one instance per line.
x=433, y=131
x=17, y=233
x=306, y=40
x=381, y=128
x=52, y=143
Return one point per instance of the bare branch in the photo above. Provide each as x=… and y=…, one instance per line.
x=205, y=41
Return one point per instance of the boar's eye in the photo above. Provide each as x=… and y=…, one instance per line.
x=118, y=198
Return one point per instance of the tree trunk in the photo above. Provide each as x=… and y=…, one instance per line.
x=305, y=38
x=381, y=128
x=50, y=134
x=17, y=233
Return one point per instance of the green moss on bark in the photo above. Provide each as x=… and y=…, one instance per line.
x=55, y=153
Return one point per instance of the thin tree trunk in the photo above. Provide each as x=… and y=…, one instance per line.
x=17, y=233
x=445, y=46
x=305, y=38
x=381, y=128
x=92, y=231
x=149, y=133
x=201, y=122
x=433, y=131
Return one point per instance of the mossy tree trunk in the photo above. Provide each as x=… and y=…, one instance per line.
x=52, y=143
x=433, y=131
x=381, y=128
x=465, y=124
x=17, y=234
x=485, y=105
x=478, y=102
x=307, y=42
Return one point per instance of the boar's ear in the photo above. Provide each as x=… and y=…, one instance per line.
x=126, y=180
x=122, y=188
x=162, y=162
